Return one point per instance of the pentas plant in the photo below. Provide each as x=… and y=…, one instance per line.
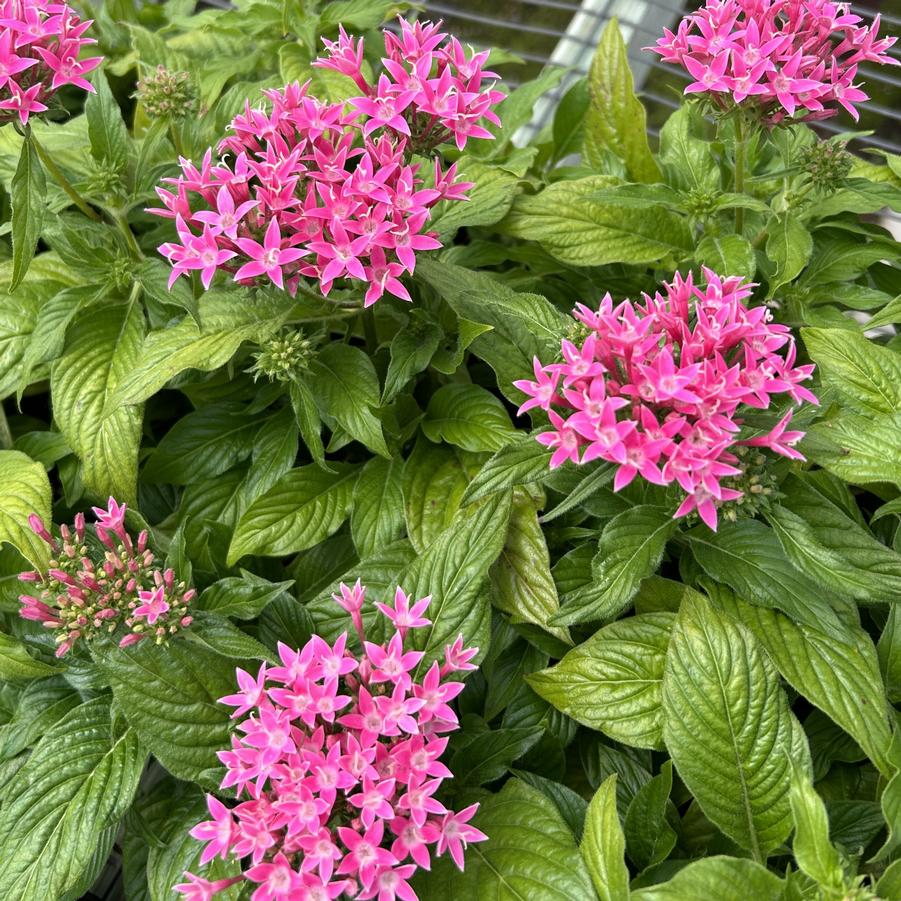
x=783, y=58
x=40, y=46
x=339, y=764
x=327, y=191
x=657, y=388
x=93, y=588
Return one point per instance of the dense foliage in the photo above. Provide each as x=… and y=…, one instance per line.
x=377, y=552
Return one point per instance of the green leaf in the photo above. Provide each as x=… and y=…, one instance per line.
x=100, y=356
x=169, y=695
x=603, y=845
x=488, y=755
x=789, y=246
x=573, y=807
x=377, y=518
x=722, y=878
x=489, y=199
x=747, y=556
x=469, y=417
x=616, y=120
x=17, y=663
x=28, y=195
x=582, y=232
x=840, y=675
x=728, y=726
x=688, y=160
x=221, y=636
x=630, y=549
x=531, y=855
x=865, y=376
x=649, y=837
x=522, y=462
x=452, y=570
x=229, y=318
x=728, y=253
x=521, y=576
x=78, y=781
x=612, y=682
x=201, y=445
x=106, y=130
x=346, y=387
x=411, y=350
x=813, y=851
x=858, y=449
x=26, y=490
x=274, y=453
x=306, y=413
x=241, y=598
x=302, y=508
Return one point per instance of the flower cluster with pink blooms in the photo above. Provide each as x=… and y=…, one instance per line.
x=788, y=58
x=657, y=388
x=86, y=592
x=40, y=45
x=338, y=760
x=309, y=189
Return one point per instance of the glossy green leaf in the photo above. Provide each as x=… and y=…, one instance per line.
x=603, y=845
x=241, y=598
x=469, y=417
x=488, y=755
x=16, y=663
x=720, y=878
x=522, y=462
x=377, y=517
x=26, y=490
x=789, y=246
x=28, y=194
x=106, y=130
x=649, y=836
x=858, y=449
x=813, y=851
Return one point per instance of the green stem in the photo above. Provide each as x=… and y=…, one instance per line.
x=6, y=436
x=176, y=139
x=740, y=164
x=62, y=181
x=128, y=234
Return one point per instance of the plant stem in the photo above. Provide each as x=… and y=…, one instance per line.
x=128, y=234
x=6, y=436
x=740, y=164
x=64, y=182
x=176, y=139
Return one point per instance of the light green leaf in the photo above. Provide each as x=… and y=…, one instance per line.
x=603, y=845
x=720, y=878
x=840, y=675
x=689, y=161
x=858, y=449
x=302, y=508
x=789, y=246
x=28, y=195
x=469, y=417
x=813, y=851
x=26, y=490
x=531, y=855
x=489, y=199
x=241, y=598
x=522, y=462
x=521, y=576
x=866, y=376
x=78, y=781
x=229, y=318
x=728, y=253
x=452, y=569
x=582, y=232
x=630, y=549
x=616, y=120
x=649, y=837
x=728, y=726
x=106, y=130
x=100, y=355
x=612, y=682
x=377, y=518
x=17, y=663
x=169, y=695
x=346, y=387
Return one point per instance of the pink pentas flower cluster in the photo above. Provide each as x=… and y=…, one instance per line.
x=327, y=191
x=40, y=46
x=658, y=388
x=336, y=765
x=788, y=58
x=96, y=588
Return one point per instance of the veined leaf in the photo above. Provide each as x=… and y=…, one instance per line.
x=17, y=663
x=789, y=246
x=241, y=598
x=728, y=726
x=469, y=417
x=722, y=878
x=603, y=845
x=858, y=449
x=377, y=518
x=28, y=194
x=813, y=851
x=26, y=490
x=612, y=682
x=649, y=836
x=522, y=462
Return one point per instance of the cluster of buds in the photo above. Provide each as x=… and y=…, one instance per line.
x=339, y=766
x=657, y=388
x=40, y=45
x=166, y=94
x=309, y=189
x=783, y=58
x=283, y=357
x=95, y=587
x=826, y=164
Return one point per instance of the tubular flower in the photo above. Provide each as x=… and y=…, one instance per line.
x=793, y=59
x=89, y=590
x=335, y=761
x=40, y=46
x=658, y=389
x=327, y=191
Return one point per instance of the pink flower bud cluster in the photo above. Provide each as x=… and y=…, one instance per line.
x=40, y=44
x=786, y=58
x=658, y=388
x=339, y=762
x=317, y=190
x=88, y=590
